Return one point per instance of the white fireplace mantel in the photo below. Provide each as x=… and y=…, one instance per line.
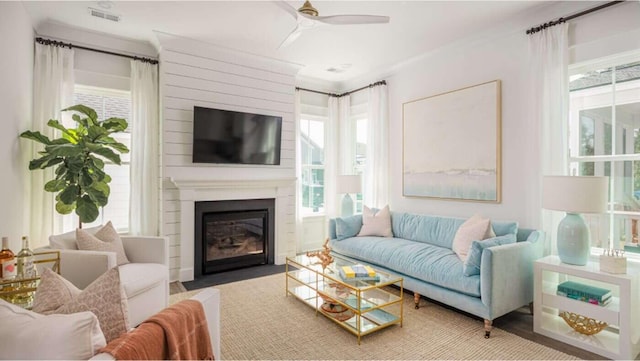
x=192, y=190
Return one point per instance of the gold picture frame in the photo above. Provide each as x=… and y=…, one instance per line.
x=452, y=145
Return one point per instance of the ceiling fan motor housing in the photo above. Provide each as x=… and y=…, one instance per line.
x=308, y=9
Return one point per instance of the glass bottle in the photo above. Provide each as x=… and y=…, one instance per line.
x=7, y=261
x=7, y=268
x=26, y=270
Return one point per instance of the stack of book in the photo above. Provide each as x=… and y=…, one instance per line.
x=358, y=272
x=585, y=293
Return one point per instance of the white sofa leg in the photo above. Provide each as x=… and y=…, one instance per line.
x=487, y=328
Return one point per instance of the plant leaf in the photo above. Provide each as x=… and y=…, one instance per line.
x=36, y=136
x=115, y=124
x=70, y=194
x=109, y=154
x=40, y=163
x=64, y=150
x=55, y=185
x=74, y=165
x=118, y=146
x=89, y=112
x=95, y=132
x=85, y=180
x=53, y=162
x=86, y=209
x=97, y=162
x=65, y=208
x=99, y=193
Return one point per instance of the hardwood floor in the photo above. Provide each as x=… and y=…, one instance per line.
x=519, y=322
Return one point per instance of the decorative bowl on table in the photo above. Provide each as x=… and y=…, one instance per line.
x=331, y=307
x=582, y=324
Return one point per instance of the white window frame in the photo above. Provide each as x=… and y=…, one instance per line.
x=574, y=136
x=70, y=222
x=323, y=119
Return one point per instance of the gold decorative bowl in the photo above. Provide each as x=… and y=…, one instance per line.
x=584, y=325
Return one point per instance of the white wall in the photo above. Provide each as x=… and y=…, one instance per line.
x=194, y=73
x=16, y=73
x=501, y=53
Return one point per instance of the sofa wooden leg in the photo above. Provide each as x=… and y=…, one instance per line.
x=416, y=300
x=487, y=328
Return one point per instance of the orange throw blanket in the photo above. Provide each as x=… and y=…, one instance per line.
x=178, y=332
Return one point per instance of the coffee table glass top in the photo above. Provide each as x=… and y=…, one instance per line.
x=332, y=272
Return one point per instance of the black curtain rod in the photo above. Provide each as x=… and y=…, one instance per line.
x=381, y=82
x=536, y=29
x=69, y=45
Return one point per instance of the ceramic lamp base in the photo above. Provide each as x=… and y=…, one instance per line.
x=347, y=205
x=574, y=241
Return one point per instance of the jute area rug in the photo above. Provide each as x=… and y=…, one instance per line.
x=259, y=322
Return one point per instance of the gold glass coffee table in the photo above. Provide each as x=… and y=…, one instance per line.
x=361, y=307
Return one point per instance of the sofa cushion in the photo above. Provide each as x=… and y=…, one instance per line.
x=27, y=335
x=348, y=227
x=104, y=297
x=53, y=292
x=474, y=228
x=376, y=223
x=432, y=264
x=105, y=239
x=139, y=277
x=68, y=240
x=504, y=228
x=472, y=264
x=438, y=231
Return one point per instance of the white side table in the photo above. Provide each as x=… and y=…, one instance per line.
x=618, y=341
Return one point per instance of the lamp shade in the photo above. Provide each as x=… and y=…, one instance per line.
x=348, y=184
x=575, y=194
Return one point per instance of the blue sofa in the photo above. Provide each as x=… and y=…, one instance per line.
x=420, y=252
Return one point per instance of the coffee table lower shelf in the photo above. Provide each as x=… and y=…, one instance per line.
x=361, y=323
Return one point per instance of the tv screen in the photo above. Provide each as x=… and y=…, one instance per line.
x=224, y=136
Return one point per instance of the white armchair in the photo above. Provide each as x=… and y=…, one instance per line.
x=145, y=279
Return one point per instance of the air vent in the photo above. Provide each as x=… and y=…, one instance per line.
x=103, y=15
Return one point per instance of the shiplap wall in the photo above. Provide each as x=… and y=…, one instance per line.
x=193, y=73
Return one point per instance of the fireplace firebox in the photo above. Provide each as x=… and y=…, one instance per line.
x=233, y=234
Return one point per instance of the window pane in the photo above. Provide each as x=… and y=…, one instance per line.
x=312, y=141
x=624, y=205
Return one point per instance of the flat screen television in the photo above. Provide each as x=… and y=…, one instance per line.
x=224, y=136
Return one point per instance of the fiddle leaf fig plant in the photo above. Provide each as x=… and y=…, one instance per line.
x=79, y=156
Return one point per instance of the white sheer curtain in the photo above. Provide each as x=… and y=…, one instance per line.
x=144, y=171
x=346, y=129
x=331, y=153
x=53, y=82
x=549, y=71
x=376, y=189
x=298, y=211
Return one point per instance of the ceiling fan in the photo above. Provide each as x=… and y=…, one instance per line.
x=307, y=18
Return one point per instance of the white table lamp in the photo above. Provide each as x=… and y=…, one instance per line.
x=575, y=195
x=348, y=184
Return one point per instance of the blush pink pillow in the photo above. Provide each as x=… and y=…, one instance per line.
x=376, y=223
x=476, y=228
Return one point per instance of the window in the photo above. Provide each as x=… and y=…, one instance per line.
x=108, y=103
x=604, y=131
x=361, y=155
x=312, y=148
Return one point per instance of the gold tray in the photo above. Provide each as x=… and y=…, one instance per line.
x=21, y=291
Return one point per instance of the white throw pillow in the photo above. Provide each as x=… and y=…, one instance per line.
x=28, y=335
x=475, y=228
x=376, y=223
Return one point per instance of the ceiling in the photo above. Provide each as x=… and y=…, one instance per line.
x=258, y=27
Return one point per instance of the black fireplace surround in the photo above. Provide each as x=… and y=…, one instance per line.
x=217, y=221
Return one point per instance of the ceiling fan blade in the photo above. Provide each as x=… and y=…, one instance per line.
x=352, y=19
x=293, y=35
x=288, y=8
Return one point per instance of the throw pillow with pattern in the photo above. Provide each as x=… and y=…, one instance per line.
x=106, y=239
